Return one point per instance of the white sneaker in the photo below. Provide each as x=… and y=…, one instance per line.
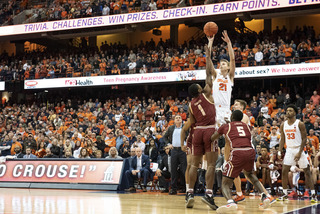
x=231, y=207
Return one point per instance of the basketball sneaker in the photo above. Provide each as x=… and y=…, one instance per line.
x=283, y=197
x=209, y=201
x=265, y=201
x=189, y=200
x=293, y=194
x=239, y=199
x=271, y=199
x=314, y=199
x=306, y=194
x=230, y=207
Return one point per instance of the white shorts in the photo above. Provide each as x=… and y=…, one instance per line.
x=222, y=113
x=289, y=158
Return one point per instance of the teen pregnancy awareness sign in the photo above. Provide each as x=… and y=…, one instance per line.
x=150, y=16
x=62, y=171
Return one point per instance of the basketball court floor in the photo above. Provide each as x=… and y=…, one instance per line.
x=93, y=202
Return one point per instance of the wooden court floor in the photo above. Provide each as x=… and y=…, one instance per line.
x=93, y=202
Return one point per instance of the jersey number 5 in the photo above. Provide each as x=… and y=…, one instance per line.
x=222, y=87
x=291, y=136
x=241, y=131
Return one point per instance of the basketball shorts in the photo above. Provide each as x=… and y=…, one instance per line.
x=240, y=159
x=189, y=141
x=201, y=142
x=222, y=114
x=289, y=158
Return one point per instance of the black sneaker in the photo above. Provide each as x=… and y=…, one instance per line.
x=283, y=197
x=209, y=201
x=314, y=199
x=189, y=200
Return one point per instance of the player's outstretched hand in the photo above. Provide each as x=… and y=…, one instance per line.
x=210, y=38
x=225, y=36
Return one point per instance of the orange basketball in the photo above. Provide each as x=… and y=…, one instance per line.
x=210, y=29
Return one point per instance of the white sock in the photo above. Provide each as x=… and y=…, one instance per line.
x=230, y=201
x=285, y=191
x=239, y=193
x=268, y=195
x=313, y=192
x=187, y=186
x=190, y=190
x=209, y=192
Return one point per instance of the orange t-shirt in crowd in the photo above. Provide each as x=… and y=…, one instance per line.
x=111, y=143
x=201, y=61
x=313, y=118
x=315, y=141
x=122, y=124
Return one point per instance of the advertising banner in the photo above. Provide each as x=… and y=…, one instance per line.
x=150, y=16
x=62, y=171
x=2, y=85
x=243, y=72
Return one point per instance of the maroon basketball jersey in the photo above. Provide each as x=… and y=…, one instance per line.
x=238, y=134
x=203, y=111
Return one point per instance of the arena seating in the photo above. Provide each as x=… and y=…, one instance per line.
x=300, y=46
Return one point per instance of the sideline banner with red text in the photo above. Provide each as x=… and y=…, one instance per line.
x=62, y=171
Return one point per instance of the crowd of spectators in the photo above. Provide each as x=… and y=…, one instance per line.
x=253, y=49
x=115, y=128
x=9, y=9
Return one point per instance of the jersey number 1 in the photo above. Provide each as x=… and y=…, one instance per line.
x=201, y=110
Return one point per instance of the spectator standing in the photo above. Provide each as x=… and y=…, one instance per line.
x=178, y=157
x=315, y=98
x=258, y=57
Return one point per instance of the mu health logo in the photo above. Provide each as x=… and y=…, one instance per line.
x=78, y=82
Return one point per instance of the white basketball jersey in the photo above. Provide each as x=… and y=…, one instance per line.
x=221, y=90
x=292, y=134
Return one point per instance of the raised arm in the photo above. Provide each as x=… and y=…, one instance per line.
x=209, y=63
x=207, y=90
x=231, y=55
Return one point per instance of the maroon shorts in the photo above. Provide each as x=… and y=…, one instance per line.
x=239, y=159
x=201, y=142
x=189, y=141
